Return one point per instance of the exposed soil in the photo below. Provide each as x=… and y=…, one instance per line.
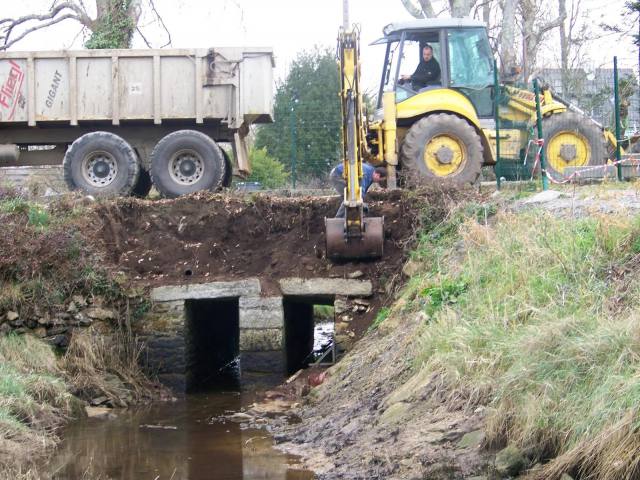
x=205, y=238
x=372, y=420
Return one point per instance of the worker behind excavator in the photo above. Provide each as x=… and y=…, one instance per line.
x=370, y=175
x=427, y=73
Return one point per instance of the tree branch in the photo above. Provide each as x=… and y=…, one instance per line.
x=9, y=43
x=427, y=8
x=412, y=9
x=53, y=16
x=161, y=21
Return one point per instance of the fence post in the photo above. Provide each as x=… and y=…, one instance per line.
x=294, y=147
x=543, y=167
x=496, y=95
x=616, y=96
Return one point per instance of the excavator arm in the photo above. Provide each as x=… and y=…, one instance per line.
x=354, y=236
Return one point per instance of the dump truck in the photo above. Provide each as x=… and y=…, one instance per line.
x=120, y=121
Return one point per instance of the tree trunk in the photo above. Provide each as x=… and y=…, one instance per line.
x=508, y=38
x=564, y=48
x=115, y=24
x=425, y=10
x=461, y=8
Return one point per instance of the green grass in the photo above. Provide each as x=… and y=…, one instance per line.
x=381, y=316
x=34, y=399
x=323, y=312
x=533, y=318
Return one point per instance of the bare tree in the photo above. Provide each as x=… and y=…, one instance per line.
x=508, y=61
x=113, y=25
x=461, y=8
x=536, y=24
x=424, y=9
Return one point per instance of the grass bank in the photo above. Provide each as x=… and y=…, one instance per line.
x=46, y=260
x=34, y=399
x=537, y=318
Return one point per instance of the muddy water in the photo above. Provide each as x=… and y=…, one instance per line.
x=184, y=440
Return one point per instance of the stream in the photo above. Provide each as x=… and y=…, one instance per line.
x=183, y=440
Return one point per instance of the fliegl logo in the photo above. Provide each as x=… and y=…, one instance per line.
x=10, y=95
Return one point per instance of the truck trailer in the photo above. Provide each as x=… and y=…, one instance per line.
x=120, y=121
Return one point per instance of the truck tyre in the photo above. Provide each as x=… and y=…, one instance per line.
x=442, y=149
x=186, y=161
x=101, y=164
x=572, y=140
x=143, y=185
x=228, y=171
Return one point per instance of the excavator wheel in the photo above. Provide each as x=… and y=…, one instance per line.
x=442, y=149
x=571, y=140
x=369, y=246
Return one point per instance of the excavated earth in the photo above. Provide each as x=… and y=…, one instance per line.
x=220, y=237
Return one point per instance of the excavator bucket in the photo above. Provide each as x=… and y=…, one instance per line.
x=368, y=245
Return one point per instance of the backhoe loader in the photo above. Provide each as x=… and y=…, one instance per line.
x=444, y=132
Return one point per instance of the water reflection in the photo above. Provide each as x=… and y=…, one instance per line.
x=174, y=441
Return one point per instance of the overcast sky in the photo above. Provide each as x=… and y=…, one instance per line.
x=290, y=26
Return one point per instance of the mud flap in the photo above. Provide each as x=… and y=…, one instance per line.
x=369, y=245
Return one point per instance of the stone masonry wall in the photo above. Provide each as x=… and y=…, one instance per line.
x=261, y=322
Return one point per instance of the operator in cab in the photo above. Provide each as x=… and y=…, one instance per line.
x=427, y=73
x=370, y=175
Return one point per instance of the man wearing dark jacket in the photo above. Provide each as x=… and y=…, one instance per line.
x=427, y=73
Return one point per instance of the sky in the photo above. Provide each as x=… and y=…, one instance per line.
x=290, y=26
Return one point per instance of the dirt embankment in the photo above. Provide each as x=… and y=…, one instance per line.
x=372, y=419
x=206, y=238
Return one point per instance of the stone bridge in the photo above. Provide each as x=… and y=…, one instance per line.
x=192, y=331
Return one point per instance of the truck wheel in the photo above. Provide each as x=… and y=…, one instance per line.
x=228, y=171
x=143, y=185
x=572, y=140
x=186, y=161
x=441, y=148
x=101, y=164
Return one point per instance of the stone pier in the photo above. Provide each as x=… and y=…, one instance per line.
x=206, y=322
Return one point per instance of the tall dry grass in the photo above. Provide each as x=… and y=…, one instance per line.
x=537, y=318
x=96, y=365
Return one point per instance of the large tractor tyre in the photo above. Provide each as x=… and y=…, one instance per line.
x=441, y=149
x=101, y=164
x=186, y=161
x=228, y=172
x=143, y=185
x=572, y=140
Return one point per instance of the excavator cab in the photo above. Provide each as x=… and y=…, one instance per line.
x=460, y=47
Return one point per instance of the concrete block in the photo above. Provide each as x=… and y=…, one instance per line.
x=177, y=383
x=308, y=287
x=258, y=312
x=199, y=291
x=265, y=362
x=261, y=340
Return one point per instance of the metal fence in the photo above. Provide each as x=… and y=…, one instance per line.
x=602, y=97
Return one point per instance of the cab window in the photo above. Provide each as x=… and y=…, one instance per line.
x=470, y=59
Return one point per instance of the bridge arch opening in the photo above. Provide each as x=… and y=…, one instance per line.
x=305, y=329
x=212, y=344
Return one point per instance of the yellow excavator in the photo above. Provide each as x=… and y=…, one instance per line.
x=444, y=131
x=354, y=236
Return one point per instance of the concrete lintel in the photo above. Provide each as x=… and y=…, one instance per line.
x=250, y=287
x=326, y=286
x=258, y=312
